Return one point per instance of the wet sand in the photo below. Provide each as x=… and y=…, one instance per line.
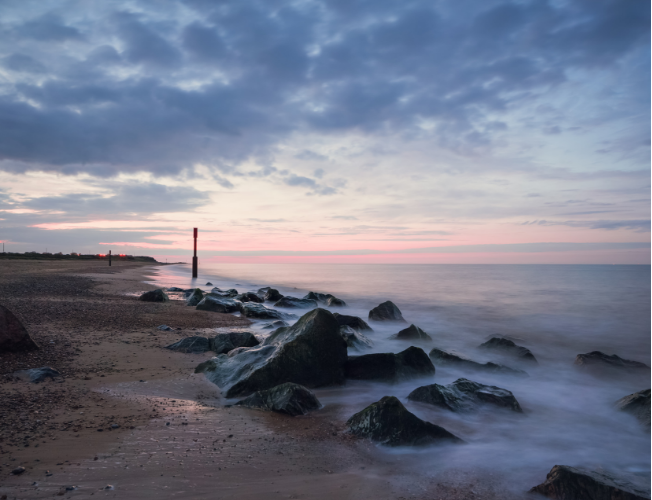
x=130, y=419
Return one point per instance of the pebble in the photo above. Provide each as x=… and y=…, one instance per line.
x=18, y=470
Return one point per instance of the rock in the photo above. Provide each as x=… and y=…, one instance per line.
x=226, y=342
x=259, y=311
x=13, y=335
x=443, y=358
x=18, y=471
x=412, y=332
x=165, y=328
x=311, y=352
x=293, y=399
x=387, y=311
x=637, y=404
x=570, y=483
x=293, y=302
x=191, y=345
x=389, y=367
x=264, y=290
x=276, y=324
x=388, y=422
x=465, y=396
x=335, y=302
x=37, y=375
x=218, y=304
x=352, y=321
x=509, y=347
x=175, y=289
x=318, y=297
x=597, y=359
x=249, y=297
x=230, y=293
x=195, y=297
x=272, y=295
x=154, y=296
x=208, y=283
x=354, y=339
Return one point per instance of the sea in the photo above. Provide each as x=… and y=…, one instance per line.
x=556, y=311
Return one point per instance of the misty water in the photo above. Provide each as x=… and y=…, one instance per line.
x=555, y=311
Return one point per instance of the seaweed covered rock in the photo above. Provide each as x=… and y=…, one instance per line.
x=259, y=311
x=13, y=335
x=390, y=367
x=36, y=375
x=352, y=321
x=272, y=295
x=597, y=360
x=638, y=405
x=215, y=303
x=311, y=352
x=443, y=358
x=191, y=345
x=354, y=339
x=571, y=483
x=387, y=311
x=157, y=295
x=412, y=332
x=388, y=422
x=295, y=303
x=507, y=346
x=249, y=297
x=465, y=396
x=195, y=297
x=223, y=343
x=290, y=398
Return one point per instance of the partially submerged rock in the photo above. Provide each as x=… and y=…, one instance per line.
x=13, y=335
x=335, y=302
x=571, y=483
x=191, y=345
x=175, y=289
x=412, y=332
x=157, y=295
x=276, y=324
x=295, y=303
x=638, y=405
x=352, y=321
x=325, y=298
x=443, y=358
x=388, y=422
x=272, y=295
x=259, y=311
x=509, y=347
x=311, y=352
x=387, y=311
x=231, y=292
x=597, y=359
x=36, y=375
x=195, y=297
x=223, y=343
x=249, y=297
x=465, y=396
x=390, y=367
x=290, y=398
x=354, y=339
x=215, y=303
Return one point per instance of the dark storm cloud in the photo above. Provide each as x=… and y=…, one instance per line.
x=158, y=87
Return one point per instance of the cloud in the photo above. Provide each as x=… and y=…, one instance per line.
x=639, y=226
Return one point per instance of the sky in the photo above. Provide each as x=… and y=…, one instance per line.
x=353, y=131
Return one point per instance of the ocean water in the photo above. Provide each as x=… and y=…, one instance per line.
x=555, y=311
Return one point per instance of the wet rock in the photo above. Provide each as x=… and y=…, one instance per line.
x=154, y=296
x=318, y=297
x=465, y=396
x=37, y=375
x=293, y=302
x=175, y=289
x=276, y=324
x=195, y=297
x=311, y=352
x=226, y=342
x=443, y=358
x=388, y=422
x=18, y=471
x=272, y=295
x=208, y=284
x=249, y=297
x=264, y=290
x=352, y=321
x=638, y=405
x=13, y=335
x=509, y=347
x=164, y=328
x=412, y=332
x=259, y=311
x=230, y=293
x=387, y=311
x=390, y=367
x=218, y=304
x=597, y=359
x=290, y=398
x=335, y=302
x=191, y=345
x=354, y=339
x=571, y=483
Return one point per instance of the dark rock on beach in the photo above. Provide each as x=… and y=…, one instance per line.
x=36, y=375
x=276, y=324
x=335, y=302
x=352, y=321
x=290, y=398
x=295, y=303
x=465, y=396
x=223, y=343
x=191, y=345
x=272, y=295
x=325, y=298
x=509, y=347
x=597, y=359
x=443, y=358
x=638, y=405
x=230, y=293
x=570, y=483
x=154, y=296
x=195, y=297
x=175, y=289
x=218, y=304
x=208, y=283
x=388, y=422
x=354, y=339
x=13, y=335
x=249, y=297
x=390, y=367
x=387, y=311
x=259, y=311
x=311, y=352
x=412, y=332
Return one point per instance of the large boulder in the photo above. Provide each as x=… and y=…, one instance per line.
x=354, y=339
x=191, y=345
x=295, y=303
x=272, y=295
x=597, y=359
x=293, y=399
x=249, y=297
x=36, y=375
x=13, y=335
x=443, y=358
x=259, y=311
x=157, y=295
x=637, y=404
x=390, y=367
x=412, y=332
x=388, y=422
x=311, y=352
x=387, y=311
x=507, y=346
x=223, y=343
x=352, y=321
x=570, y=483
x=215, y=303
x=195, y=297
x=465, y=396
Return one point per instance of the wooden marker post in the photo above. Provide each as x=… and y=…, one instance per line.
x=109, y=258
x=194, y=259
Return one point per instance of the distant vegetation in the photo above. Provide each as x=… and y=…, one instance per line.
x=74, y=256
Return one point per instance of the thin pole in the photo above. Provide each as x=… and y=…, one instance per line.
x=109, y=258
x=194, y=259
